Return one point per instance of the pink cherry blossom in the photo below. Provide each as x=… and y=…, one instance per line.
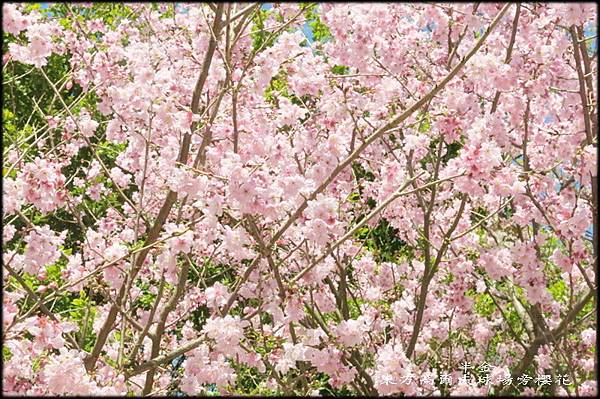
x=302, y=199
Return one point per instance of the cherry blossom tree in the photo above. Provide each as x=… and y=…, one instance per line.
x=299, y=198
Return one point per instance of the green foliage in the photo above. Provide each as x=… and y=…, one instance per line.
x=111, y=13
x=26, y=92
x=278, y=86
x=360, y=173
x=382, y=241
x=250, y=382
x=6, y=355
x=452, y=151
x=146, y=299
x=559, y=291
x=12, y=133
x=478, y=214
x=449, y=151
x=320, y=31
x=340, y=70
x=484, y=304
x=425, y=122
x=261, y=37
x=83, y=312
x=354, y=307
